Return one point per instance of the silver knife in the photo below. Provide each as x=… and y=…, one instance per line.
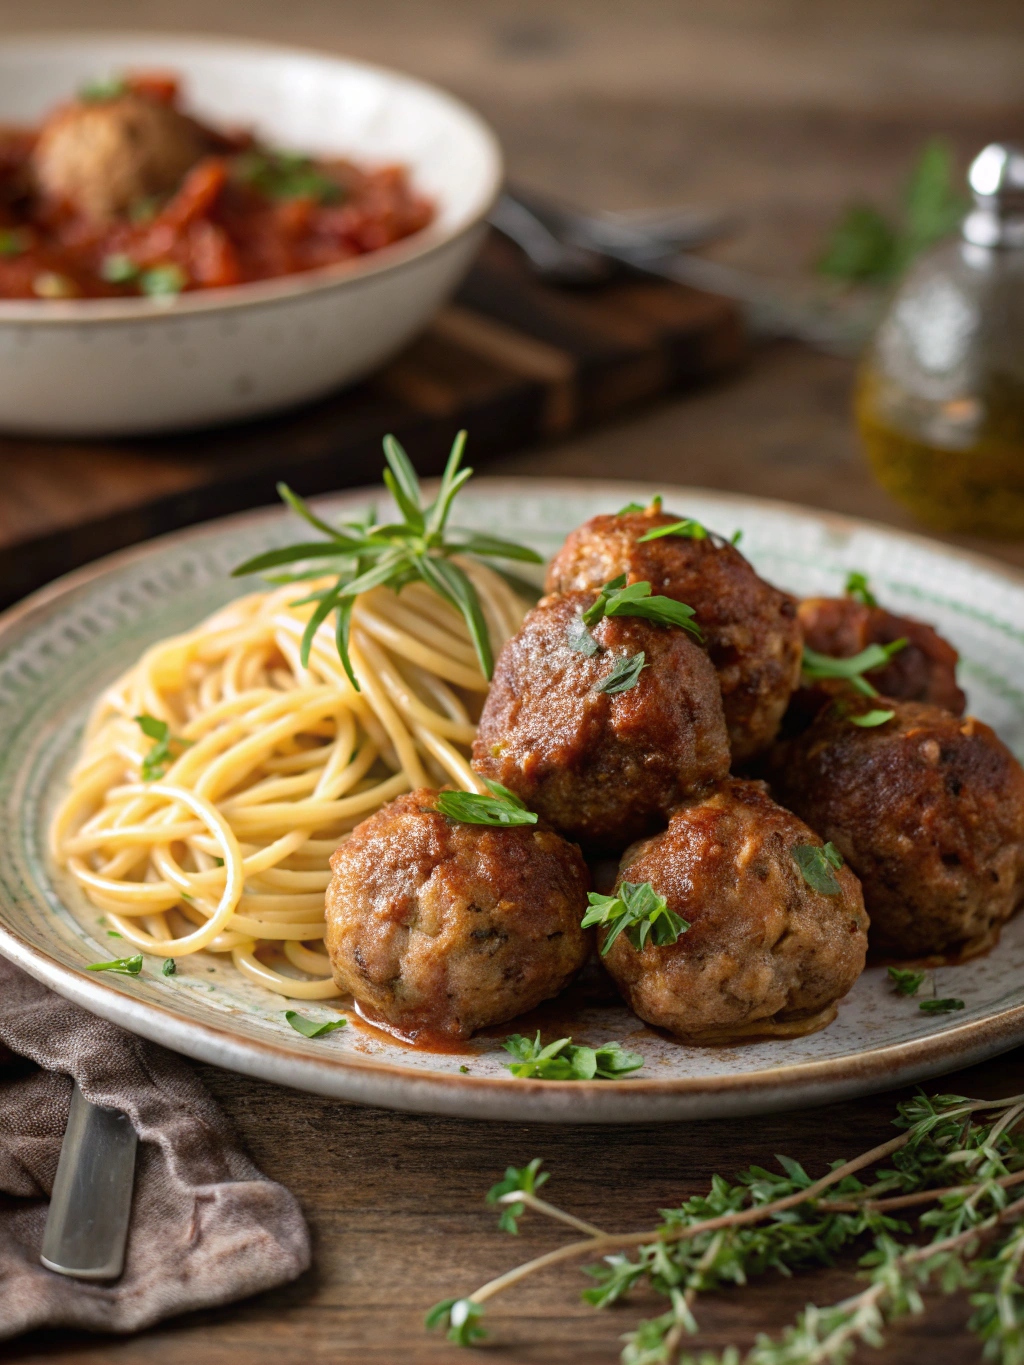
x=87, y=1225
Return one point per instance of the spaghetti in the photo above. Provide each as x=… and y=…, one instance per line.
x=269, y=765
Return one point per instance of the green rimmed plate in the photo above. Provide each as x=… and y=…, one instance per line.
x=59, y=648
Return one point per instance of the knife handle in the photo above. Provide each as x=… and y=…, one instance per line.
x=87, y=1225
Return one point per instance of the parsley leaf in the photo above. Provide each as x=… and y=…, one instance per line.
x=618, y=599
x=309, y=1028
x=580, y=639
x=817, y=665
x=563, y=1060
x=170, y=967
x=639, y=911
x=940, y=1006
x=461, y=1317
x=907, y=980
x=126, y=966
x=624, y=675
x=502, y=807
x=816, y=864
x=165, y=749
x=688, y=529
x=528, y=1179
x=857, y=587
x=870, y=719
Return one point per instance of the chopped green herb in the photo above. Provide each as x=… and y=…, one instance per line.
x=527, y=1179
x=219, y=862
x=639, y=911
x=654, y=505
x=502, y=807
x=286, y=175
x=170, y=967
x=624, y=675
x=185, y=896
x=616, y=599
x=112, y=933
x=127, y=966
x=309, y=1028
x=580, y=639
x=165, y=749
x=565, y=1061
x=464, y=1070
x=688, y=529
x=816, y=864
x=858, y=588
x=461, y=1317
x=118, y=268
x=13, y=241
x=817, y=665
x=95, y=92
x=907, y=980
x=736, y=537
x=940, y=1006
x=419, y=547
x=870, y=719
x=163, y=281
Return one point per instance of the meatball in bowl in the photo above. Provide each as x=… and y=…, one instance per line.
x=604, y=730
x=776, y=931
x=927, y=808
x=750, y=628
x=439, y=927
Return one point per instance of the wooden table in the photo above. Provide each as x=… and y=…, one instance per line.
x=784, y=112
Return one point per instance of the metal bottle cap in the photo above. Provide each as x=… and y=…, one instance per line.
x=996, y=179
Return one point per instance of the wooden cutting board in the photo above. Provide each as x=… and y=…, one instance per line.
x=512, y=360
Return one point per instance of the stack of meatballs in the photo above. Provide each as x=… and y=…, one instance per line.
x=701, y=777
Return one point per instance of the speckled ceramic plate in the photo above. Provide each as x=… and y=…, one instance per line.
x=59, y=648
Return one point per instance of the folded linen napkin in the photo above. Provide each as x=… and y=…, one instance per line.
x=206, y=1226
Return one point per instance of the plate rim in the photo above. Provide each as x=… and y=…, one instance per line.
x=389, y=1084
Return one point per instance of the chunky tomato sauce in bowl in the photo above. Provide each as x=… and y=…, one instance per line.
x=195, y=231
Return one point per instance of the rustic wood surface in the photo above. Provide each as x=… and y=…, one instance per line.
x=783, y=111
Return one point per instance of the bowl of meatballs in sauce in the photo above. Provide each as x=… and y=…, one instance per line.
x=199, y=230
x=697, y=818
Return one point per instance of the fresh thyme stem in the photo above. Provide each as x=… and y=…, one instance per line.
x=550, y=1211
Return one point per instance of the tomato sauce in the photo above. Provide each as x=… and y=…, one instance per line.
x=240, y=212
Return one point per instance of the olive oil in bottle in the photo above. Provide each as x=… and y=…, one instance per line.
x=940, y=399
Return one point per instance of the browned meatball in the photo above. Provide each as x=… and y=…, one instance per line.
x=102, y=157
x=602, y=768
x=928, y=810
x=765, y=953
x=750, y=627
x=924, y=670
x=444, y=927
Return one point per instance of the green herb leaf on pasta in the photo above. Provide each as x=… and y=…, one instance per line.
x=502, y=807
x=165, y=750
x=906, y=980
x=125, y=966
x=639, y=912
x=816, y=864
x=624, y=675
x=309, y=1028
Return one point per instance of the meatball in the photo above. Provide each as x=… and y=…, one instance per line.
x=750, y=628
x=765, y=952
x=603, y=768
x=102, y=157
x=924, y=670
x=928, y=810
x=444, y=927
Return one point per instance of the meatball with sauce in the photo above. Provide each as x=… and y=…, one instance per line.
x=927, y=808
x=439, y=927
x=923, y=670
x=603, y=767
x=750, y=628
x=101, y=157
x=765, y=953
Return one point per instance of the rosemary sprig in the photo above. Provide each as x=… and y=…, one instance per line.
x=971, y=1236
x=362, y=555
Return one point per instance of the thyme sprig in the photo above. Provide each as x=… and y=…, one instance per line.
x=970, y=1236
x=362, y=555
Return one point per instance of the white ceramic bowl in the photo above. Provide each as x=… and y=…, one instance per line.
x=118, y=366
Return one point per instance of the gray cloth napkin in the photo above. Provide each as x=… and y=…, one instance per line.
x=206, y=1226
